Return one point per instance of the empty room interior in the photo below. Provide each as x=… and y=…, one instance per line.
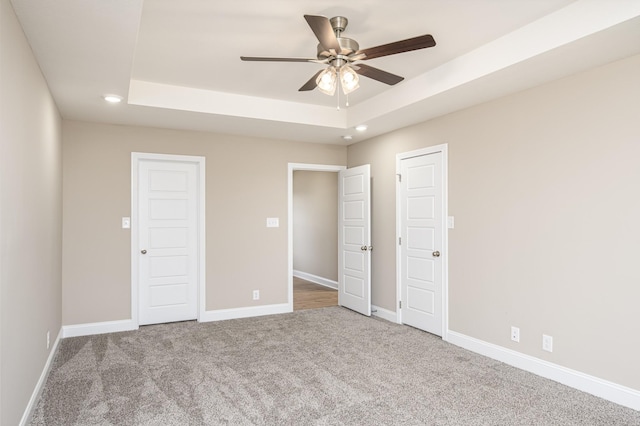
x=456, y=182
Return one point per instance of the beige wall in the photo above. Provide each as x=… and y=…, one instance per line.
x=315, y=223
x=246, y=182
x=545, y=189
x=30, y=219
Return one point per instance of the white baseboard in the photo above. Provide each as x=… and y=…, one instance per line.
x=316, y=279
x=602, y=388
x=98, y=328
x=217, y=315
x=385, y=314
x=26, y=416
x=250, y=311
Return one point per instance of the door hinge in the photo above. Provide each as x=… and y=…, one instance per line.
x=399, y=241
x=399, y=177
x=400, y=304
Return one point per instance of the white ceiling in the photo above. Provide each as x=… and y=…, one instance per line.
x=177, y=63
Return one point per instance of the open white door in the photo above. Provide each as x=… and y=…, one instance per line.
x=354, y=239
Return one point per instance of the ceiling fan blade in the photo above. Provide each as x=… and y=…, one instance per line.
x=268, y=59
x=311, y=84
x=407, y=45
x=323, y=30
x=377, y=74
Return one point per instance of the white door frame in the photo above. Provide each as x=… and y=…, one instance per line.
x=443, y=148
x=291, y=168
x=136, y=157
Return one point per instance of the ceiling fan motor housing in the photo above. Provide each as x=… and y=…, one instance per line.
x=347, y=45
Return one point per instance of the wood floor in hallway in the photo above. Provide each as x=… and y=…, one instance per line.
x=308, y=295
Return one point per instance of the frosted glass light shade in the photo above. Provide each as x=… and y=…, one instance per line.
x=349, y=79
x=327, y=81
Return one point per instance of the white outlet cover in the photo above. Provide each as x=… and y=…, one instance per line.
x=273, y=222
x=515, y=334
x=547, y=343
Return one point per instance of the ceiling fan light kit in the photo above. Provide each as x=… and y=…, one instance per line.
x=340, y=53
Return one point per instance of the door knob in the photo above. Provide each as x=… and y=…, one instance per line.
x=143, y=251
x=436, y=253
x=370, y=248
x=364, y=248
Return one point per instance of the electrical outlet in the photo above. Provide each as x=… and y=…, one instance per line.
x=48, y=340
x=515, y=334
x=256, y=294
x=547, y=343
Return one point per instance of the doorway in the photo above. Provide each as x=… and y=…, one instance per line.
x=315, y=239
x=307, y=281
x=354, y=234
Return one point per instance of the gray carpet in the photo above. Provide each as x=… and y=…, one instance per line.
x=316, y=367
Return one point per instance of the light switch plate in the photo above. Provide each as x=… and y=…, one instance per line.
x=450, y=222
x=273, y=222
x=126, y=222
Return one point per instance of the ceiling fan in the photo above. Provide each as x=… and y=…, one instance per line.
x=340, y=53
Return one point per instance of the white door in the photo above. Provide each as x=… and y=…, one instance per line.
x=421, y=238
x=354, y=240
x=168, y=241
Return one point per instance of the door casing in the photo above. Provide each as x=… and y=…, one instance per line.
x=136, y=157
x=443, y=148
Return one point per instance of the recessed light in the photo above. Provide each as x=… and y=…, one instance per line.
x=347, y=137
x=361, y=127
x=114, y=99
